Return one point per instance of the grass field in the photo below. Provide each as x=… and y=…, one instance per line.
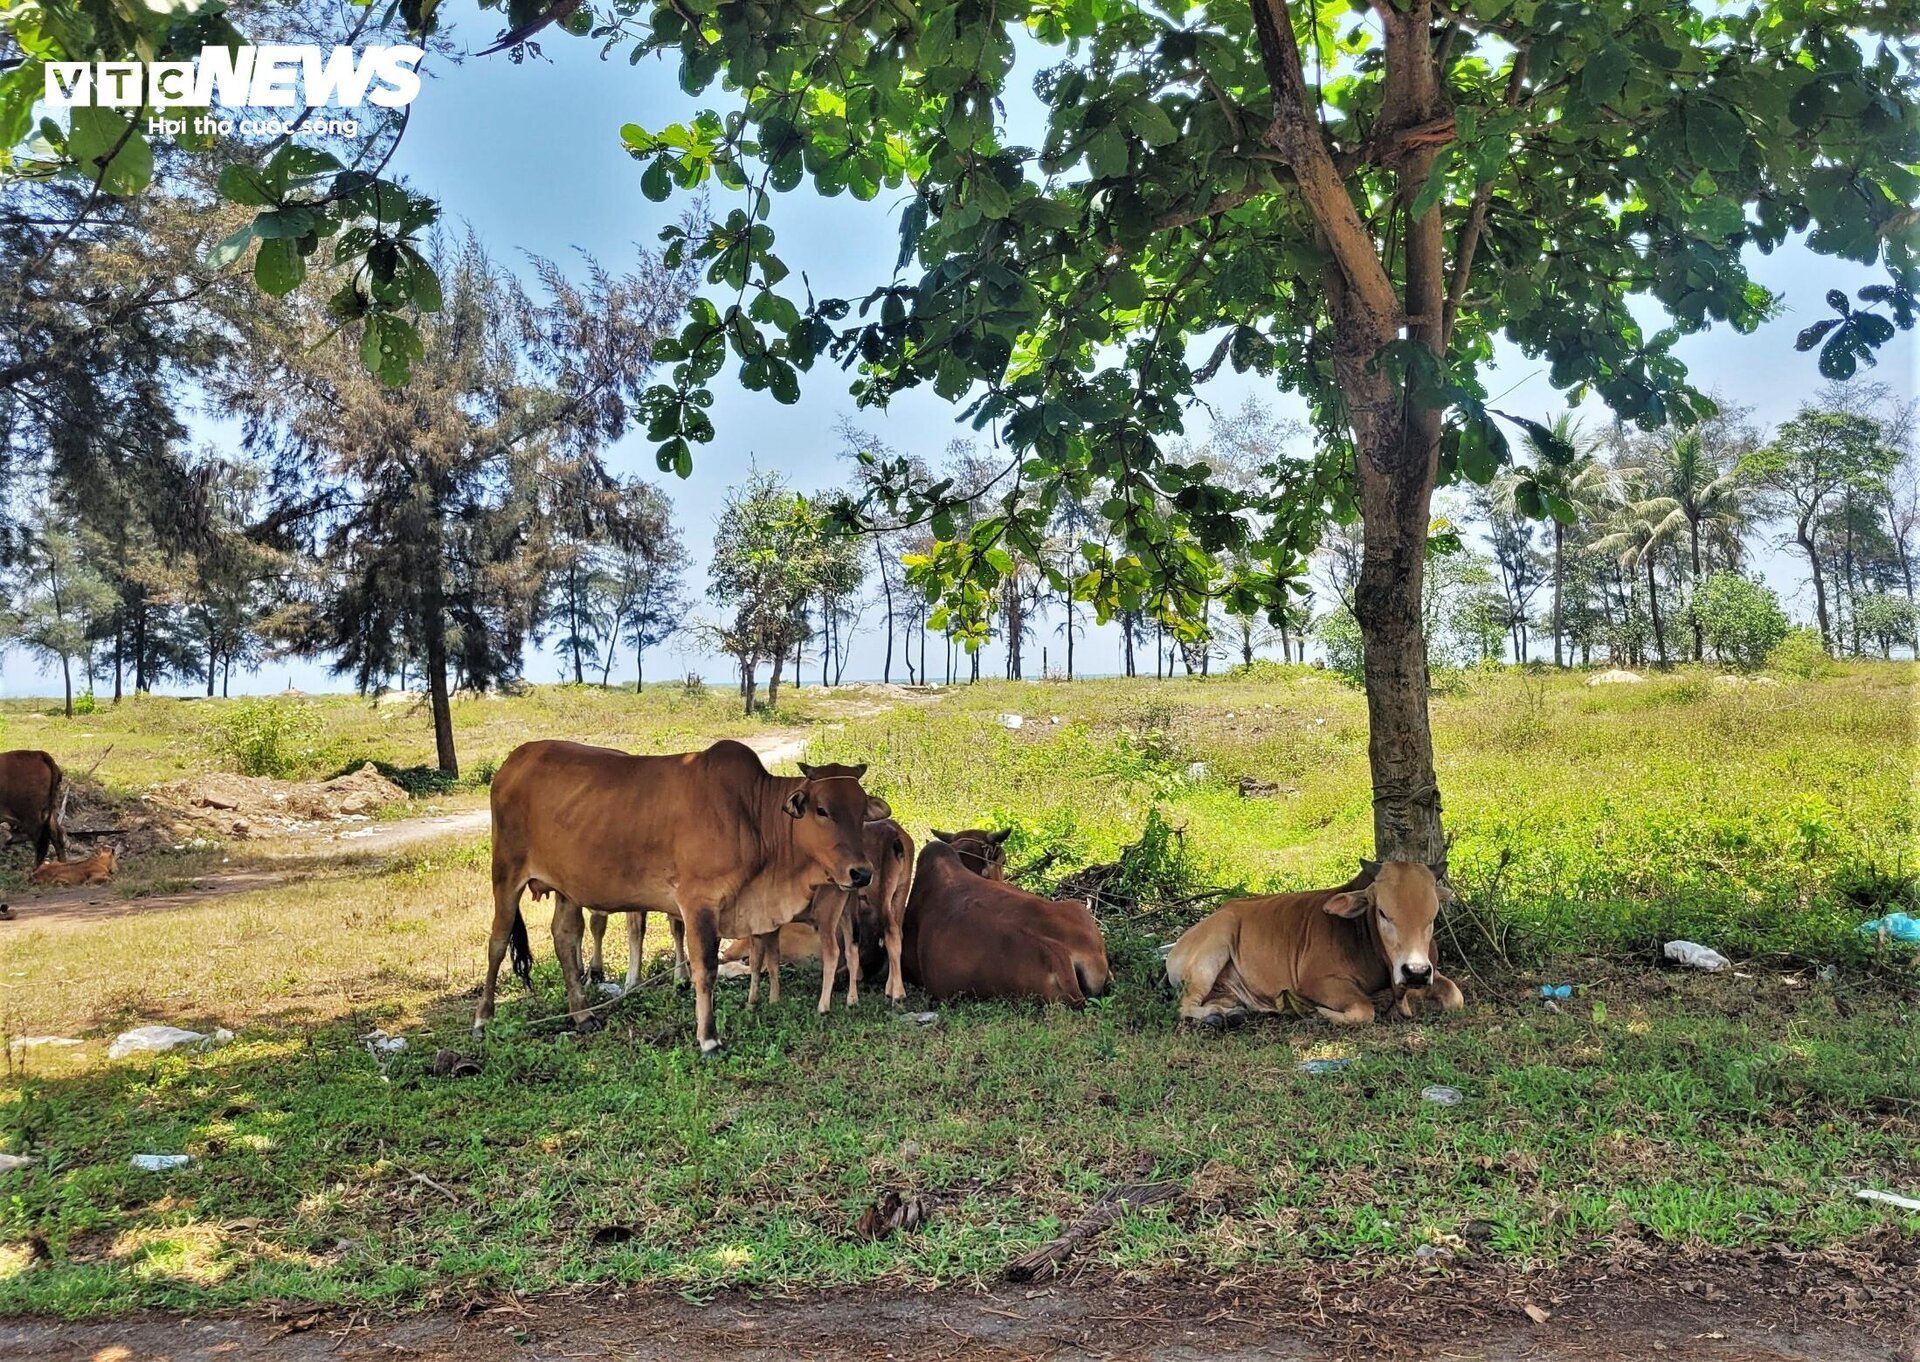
x=1676, y=1110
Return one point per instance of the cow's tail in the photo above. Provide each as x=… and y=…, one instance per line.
x=53, y=833
x=519, y=949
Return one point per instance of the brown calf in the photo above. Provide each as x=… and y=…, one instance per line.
x=96, y=869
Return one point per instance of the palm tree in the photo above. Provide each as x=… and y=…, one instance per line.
x=1642, y=525
x=1565, y=467
x=1688, y=486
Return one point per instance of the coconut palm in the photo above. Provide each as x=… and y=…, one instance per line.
x=1641, y=527
x=1565, y=468
x=1688, y=485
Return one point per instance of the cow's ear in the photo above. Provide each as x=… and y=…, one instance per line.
x=1444, y=892
x=940, y=836
x=997, y=838
x=1349, y=904
x=796, y=804
x=857, y=771
x=1371, y=869
x=877, y=808
x=806, y=771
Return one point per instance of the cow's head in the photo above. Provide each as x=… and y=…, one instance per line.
x=831, y=813
x=1404, y=898
x=982, y=852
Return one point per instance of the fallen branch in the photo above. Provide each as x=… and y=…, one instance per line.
x=1050, y=1255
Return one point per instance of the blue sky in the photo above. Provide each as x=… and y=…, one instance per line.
x=530, y=156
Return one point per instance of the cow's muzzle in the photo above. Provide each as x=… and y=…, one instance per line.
x=1416, y=976
x=860, y=877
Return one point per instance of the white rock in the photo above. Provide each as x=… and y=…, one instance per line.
x=9, y=1162
x=1011, y=721
x=1615, y=676
x=1198, y=770
x=39, y=1042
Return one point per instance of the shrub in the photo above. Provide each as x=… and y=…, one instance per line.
x=1886, y=619
x=1740, y=620
x=1801, y=654
x=1339, y=633
x=269, y=737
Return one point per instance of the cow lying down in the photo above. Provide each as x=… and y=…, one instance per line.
x=970, y=936
x=95, y=869
x=1324, y=953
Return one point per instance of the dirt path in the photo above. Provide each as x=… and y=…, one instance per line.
x=1686, y=1312
x=70, y=909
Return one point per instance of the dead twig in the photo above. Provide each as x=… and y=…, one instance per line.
x=1050, y=1255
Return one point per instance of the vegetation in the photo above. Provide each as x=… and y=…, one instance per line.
x=1672, y=1110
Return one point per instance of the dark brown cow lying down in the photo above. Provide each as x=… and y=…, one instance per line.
x=851, y=923
x=968, y=936
x=708, y=838
x=33, y=802
x=1326, y=952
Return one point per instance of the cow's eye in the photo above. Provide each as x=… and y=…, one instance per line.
x=820, y=809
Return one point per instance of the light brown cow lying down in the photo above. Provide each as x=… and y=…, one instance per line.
x=96, y=869
x=1327, y=952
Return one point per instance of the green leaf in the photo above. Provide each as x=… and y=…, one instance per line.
x=1605, y=75
x=389, y=347
x=98, y=134
x=1107, y=153
x=232, y=248
x=656, y=181
x=247, y=185
x=1716, y=136
x=278, y=267
x=1150, y=123
x=283, y=222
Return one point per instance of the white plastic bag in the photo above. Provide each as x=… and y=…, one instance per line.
x=1697, y=956
x=157, y=1040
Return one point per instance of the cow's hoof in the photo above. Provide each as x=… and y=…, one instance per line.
x=588, y=1025
x=596, y=977
x=709, y=1048
x=479, y=1030
x=1214, y=1021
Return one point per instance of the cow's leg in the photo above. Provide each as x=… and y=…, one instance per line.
x=679, y=928
x=506, y=916
x=850, y=950
x=896, y=974
x=1442, y=991
x=1198, y=974
x=569, y=923
x=597, y=962
x=636, y=946
x=829, y=913
x=703, y=962
x=1344, y=1004
x=756, y=953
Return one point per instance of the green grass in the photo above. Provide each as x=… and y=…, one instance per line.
x=1656, y=1108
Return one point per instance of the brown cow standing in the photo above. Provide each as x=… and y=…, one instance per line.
x=708, y=838
x=975, y=937
x=850, y=922
x=1327, y=952
x=33, y=801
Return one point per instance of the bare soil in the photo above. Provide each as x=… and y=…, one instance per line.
x=1765, y=1306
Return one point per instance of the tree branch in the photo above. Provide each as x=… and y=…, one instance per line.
x=1476, y=222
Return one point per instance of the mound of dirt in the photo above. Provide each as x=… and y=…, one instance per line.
x=1615, y=676
x=258, y=806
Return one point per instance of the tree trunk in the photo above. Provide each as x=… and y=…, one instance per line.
x=1653, y=609
x=437, y=692
x=1397, y=462
x=1805, y=536
x=119, y=646
x=1699, y=634
x=66, y=674
x=773, y=681
x=1559, y=555
x=1906, y=571
x=639, y=669
x=886, y=586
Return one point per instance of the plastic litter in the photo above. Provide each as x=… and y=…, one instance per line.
x=43, y=1042
x=1442, y=1095
x=1697, y=956
x=611, y=989
x=1556, y=990
x=157, y=1040
x=1894, y=927
x=379, y=1043
x=1905, y=1203
x=9, y=1162
x=1166, y=948
x=1198, y=770
x=160, y=1163
x=1323, y=1066
x=920, y=1018
x=1011, y=720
